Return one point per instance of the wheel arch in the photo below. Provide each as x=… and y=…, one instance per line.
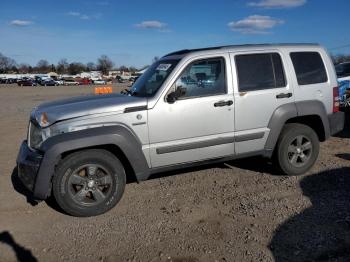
x=312, y=121
x=117, y=152
x=311, y=113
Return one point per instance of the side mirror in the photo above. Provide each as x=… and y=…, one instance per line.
x=171, y=98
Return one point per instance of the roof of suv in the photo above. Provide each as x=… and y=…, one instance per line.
x=228, y=47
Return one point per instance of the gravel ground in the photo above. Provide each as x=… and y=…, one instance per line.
x=237, y=211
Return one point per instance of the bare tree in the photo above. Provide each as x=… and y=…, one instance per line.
x=133, y=69
x=90, y=66
x=62, y=66
x=6, y=64
x=24, y=68
x=76, y=68
x=104, y=64
x=43, y=66
x=123, y=68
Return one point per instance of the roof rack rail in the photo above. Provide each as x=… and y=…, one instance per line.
x=186, y=51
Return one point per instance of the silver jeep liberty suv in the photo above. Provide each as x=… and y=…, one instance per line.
x=188, y=108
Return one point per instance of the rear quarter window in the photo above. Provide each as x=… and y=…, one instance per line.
x=309, y=68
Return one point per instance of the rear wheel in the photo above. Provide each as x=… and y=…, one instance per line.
x=297, y=149
x=89, y=183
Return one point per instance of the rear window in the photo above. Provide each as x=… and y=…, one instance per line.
x=309, y=68
x=259, y=71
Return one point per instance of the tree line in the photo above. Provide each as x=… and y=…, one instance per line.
x=103, y=64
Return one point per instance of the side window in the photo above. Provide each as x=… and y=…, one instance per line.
x=203, y=78
x=309, y=68
x=259, y=72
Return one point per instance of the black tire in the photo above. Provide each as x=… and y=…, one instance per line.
x=77, y=195
x=297, y=149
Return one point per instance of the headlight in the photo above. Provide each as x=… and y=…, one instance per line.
x=37, y=135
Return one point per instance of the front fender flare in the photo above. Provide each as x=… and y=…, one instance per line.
x=54, y=147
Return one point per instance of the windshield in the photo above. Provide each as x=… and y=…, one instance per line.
x=149, y=83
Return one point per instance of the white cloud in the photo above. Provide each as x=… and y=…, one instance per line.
x=254, y=24
x=73, y=13
x=278, y=4
x=84, y=16
x=153, y=24
x=21, y=22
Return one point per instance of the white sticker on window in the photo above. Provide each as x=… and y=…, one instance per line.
x=163, y=67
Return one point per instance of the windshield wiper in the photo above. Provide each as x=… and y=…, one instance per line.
x=125, y=92
x=128, y=92
x=133, y=93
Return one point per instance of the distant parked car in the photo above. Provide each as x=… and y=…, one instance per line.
x=120, y=79
x=85, y=81
x=49, y=82
x=343, y=71
x=70, y=82
x=133, y=79
x=26, y=82
x=41, y=81
x=100, y=82
x=10, y=81
x=59, y=82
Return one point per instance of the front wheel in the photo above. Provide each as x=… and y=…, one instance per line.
x=89, y=183
x=297, y=149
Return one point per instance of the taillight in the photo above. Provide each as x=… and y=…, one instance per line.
x=336, y=99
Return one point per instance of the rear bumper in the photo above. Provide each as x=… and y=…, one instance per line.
x=28, y=163
x=336, y=122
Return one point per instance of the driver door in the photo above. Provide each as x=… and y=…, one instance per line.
x=199, y=123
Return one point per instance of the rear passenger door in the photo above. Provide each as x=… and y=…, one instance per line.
x=260, y=86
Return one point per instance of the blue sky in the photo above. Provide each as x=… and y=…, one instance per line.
x=133, y=32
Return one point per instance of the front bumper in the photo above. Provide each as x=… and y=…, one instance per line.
x=336, y=122
x=28, y=163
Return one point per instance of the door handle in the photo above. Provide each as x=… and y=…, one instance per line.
x=284, y=95
x=223, y=103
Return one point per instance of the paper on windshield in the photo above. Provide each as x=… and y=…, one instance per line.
x=163, y=67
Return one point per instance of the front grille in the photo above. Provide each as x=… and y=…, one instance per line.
x=34, y=135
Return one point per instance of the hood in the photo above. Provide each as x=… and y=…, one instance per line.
x=86, y=105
